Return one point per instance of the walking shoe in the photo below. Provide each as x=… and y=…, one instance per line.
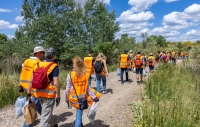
x=122, y=83
x=55, y=125
x=104, y=92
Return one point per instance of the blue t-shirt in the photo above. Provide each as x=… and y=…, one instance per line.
x=55, y=72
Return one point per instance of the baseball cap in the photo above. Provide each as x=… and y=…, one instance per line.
x=50, y=52
x=131, y=50
x=38, y=49
x=138, y=51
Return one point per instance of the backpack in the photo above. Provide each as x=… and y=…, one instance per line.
x=157, y=57
x=40, y=77
x=150, y=60
x=138, y=61
x=164, y=57
x=98, y=67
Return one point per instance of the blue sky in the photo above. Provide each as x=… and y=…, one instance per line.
x=177, y=20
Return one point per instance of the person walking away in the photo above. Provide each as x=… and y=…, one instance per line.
x=49, y=95
x=173, y=57
x=151, y=62
x=131, y=60
x=186, y=54
x=124, y=62
x=89, y=62
x=26, y=74
x=164, y=57
x=139, y=64
x=158, y=55
x=77, y=85
x=101, y=74
x=145, y=59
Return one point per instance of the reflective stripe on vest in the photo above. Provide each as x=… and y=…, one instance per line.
x=43, y=90
x=79, y=96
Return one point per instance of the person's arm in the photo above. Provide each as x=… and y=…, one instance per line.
x=119, y=61
x=68, y=87
x=104, y=63
x=89, y=91
x=56, y=81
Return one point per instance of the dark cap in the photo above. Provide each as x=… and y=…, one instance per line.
x=91, y=51
x=138, y=51
x=125, y=51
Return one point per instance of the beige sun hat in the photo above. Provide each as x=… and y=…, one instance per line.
x=151, y=54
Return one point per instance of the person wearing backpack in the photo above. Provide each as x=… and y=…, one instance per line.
x=139, y=65
x=101, y=71
x=26, y=74
x=151, y=62
x=173, y=57
x=124, y=62
x=89, y=61
x=164, y=57
x=77, y=89
x=45, y=86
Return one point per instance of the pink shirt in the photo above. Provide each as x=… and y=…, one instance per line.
x=70, y=86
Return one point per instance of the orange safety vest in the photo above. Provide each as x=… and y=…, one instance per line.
x=80, y=84
x=124, y=63
x=152, y=59
x=186, y=54
x=27, y=72
x=49, y=91
x=88, y=63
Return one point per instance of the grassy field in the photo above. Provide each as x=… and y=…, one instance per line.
x=171, y=99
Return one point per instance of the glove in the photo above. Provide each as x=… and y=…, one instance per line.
x=57, y=101
x=28, y=96
x=21, y=89
x=96, y=99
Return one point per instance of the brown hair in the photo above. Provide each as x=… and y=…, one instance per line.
x=78, y=65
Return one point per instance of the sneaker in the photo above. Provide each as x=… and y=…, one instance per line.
x=55, y=125
x=104, y=92
x=122, y=83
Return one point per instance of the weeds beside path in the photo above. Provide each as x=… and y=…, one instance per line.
x=114, y=107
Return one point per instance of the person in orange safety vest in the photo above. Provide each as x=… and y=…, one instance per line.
x=77, y=88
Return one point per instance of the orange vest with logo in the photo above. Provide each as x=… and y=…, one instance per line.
x=124, y=63
x=151, y=60
x=49, y=91
x=80, y=86
x=88, y=63
x=27, y=72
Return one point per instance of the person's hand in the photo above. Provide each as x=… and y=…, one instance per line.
x=28, y=96
x=21, y=89
x=96, y=99
x=67, y=99
x=57, y=101
x=107, y=74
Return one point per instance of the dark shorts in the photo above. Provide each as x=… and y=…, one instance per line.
x=151, y=67
x=138, y=70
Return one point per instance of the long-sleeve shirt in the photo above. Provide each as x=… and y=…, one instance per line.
x=70, y=86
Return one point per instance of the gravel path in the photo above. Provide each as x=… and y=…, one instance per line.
x=114, y=108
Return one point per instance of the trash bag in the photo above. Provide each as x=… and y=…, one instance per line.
x=118, y=72
x=29, y=111
x=92, y=112
x=93, y=76
x=19, y=104
x=144, y=73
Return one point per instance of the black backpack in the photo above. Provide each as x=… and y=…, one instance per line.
x=98, y=67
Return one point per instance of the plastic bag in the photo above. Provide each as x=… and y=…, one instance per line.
x=118, y=72
x=92, y=112
x=19, y=104
x=144, y=73
x=93, y=76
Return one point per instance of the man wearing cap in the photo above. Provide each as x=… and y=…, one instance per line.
x=151, y=61
x=89, y=63
x=124, y=63
x=26, y=74
x=50, y=95
x=139, y=65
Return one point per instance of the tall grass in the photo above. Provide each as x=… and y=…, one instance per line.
x=8, y=90
x=171, y=99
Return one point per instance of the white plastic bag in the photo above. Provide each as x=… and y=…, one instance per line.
x=26, y=103
x=92, y=112
x=93, y=76
x=144, y=73
x=118, y=72
x=19, y=104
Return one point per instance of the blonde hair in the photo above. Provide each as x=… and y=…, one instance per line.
x=100, y=57
x=78, y=65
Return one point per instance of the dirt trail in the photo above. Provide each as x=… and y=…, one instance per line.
x=114, y=108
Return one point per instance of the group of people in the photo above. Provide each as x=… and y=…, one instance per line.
x=139, y=62
x=78, y=88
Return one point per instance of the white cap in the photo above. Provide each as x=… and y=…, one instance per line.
x=131, y=50
x=38, y=49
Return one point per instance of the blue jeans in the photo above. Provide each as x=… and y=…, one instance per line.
x=98, y=82
x=122, y=73
x=38, y=108
x=78, y=122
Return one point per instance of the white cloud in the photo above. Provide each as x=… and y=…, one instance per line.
x=7, y=25
x=141, y=5
x=10, y=36
x=169, y=1
x=19, y=19
x=4, y=10
x=193, y=9
x=106, y=1
x=129, y=16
